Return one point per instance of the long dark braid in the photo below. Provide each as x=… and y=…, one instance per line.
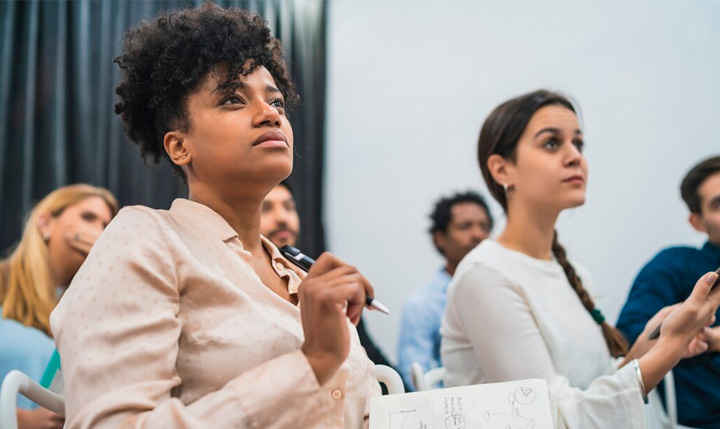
x=616, y=342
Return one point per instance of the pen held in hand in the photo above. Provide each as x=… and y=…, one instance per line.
x=655, y=334
x=304, y=262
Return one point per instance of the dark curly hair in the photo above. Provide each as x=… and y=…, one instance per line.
x=165, y=60
x=442, y=212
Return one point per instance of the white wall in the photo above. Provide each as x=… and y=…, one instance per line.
x=410, y=83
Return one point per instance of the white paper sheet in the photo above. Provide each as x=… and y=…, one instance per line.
x=513, y=405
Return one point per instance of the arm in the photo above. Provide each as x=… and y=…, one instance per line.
x=509, y=346
x=118, y=330
x=416, y=343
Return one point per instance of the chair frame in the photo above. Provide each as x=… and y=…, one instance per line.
x=17, y=382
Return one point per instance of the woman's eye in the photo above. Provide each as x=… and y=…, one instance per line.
x=551, y=143
x=280, y=104
x=89, y=217
x=232, y=100
x=579, y=144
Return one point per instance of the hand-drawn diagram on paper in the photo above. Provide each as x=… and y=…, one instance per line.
x=513, y=417
x=512, y=405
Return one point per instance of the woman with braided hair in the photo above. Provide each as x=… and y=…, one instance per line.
x=518, y=308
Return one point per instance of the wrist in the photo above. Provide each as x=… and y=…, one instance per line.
x=659, y=361
x=323, y=365
x=672, y=349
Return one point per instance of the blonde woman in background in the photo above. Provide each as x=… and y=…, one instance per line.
x=57, y=238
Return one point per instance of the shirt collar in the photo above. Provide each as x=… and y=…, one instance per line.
x=217, y=227
x=283, y=267
x=204, y=217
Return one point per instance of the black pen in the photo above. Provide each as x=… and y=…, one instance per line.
x=655, y=334
x=304, y=262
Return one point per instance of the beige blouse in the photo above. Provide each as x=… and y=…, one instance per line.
x=167, y=325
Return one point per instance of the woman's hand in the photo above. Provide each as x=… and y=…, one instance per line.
x=82, y=238
x=642, y=344
x=39, y=418
x=689, y=319
x=686, y=323
x=331, y=292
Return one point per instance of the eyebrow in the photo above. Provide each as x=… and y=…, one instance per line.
x=554, y=131
x=230, y=86
x=234, y=85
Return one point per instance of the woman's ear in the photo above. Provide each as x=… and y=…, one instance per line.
x=44, y=224
x=174, y=143
x=500, y=170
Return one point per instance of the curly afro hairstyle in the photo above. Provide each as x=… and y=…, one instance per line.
x=441, y=215
x=166, y=60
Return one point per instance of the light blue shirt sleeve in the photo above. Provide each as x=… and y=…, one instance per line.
x=26, y=349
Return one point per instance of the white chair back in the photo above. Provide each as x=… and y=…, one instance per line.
x=390, y=378
x=425, y=381
x=16, y=382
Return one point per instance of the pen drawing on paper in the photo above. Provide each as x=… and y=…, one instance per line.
x=512, y=405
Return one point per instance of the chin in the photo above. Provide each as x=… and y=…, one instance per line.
x=575, y=202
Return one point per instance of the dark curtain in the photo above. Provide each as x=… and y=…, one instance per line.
x=57, y=125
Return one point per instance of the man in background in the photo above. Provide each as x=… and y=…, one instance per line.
x=668, y=279
x=280, y=223
x=459, y=223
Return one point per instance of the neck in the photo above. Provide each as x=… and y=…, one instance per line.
x=241, y=212
x=529, y=230
x=450, y=267
x=60, y=273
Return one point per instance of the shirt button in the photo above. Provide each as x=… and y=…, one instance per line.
x=337, y=394
x=279, y=266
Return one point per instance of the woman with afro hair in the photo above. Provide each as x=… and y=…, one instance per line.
x=188, y=317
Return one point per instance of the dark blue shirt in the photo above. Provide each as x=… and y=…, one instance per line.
x=668, y=279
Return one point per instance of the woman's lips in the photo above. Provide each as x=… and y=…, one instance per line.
x=271, y=139
x=272, y=143
x=575, y=180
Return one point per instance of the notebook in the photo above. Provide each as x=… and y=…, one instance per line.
x=520, y=404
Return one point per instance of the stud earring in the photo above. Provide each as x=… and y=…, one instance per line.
x=505, y=188
x=46, y=237
x=184, y=156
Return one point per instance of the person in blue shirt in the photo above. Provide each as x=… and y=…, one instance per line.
x=56, y=239
x=668, y=279
x=459, y=223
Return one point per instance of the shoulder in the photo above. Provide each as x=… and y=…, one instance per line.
x=671, y=258
x=479, y=278
x=23, y=337
x=676, y=251
x=134, y=222
x=139, y=217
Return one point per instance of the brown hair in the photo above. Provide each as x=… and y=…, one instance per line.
x=500, y=135
x=27, y=292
